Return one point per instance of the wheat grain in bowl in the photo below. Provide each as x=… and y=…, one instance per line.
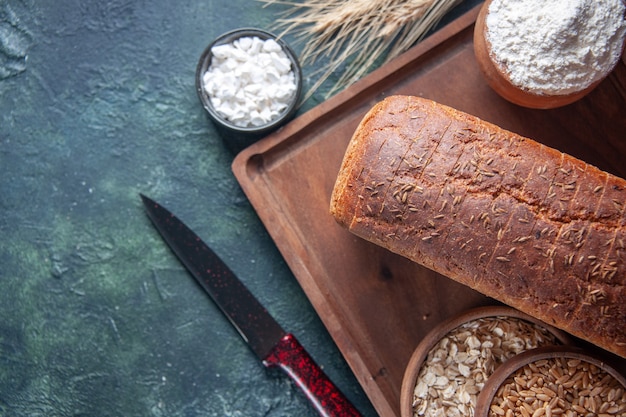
x=450, y=367
x=554, y=381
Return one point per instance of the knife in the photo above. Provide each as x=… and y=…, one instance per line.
x=274, y=346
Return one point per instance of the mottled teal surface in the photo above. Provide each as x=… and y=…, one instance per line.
x=97, y=318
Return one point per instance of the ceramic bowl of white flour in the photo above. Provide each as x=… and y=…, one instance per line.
x=249, y=81
x=540, y=54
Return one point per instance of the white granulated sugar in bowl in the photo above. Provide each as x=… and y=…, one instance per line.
x=250, y=81
x=556, y=47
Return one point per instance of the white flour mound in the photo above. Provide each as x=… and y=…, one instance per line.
x=556, y=47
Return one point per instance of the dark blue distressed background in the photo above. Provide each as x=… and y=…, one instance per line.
x=97, y=318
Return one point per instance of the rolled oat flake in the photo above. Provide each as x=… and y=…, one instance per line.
x=456, y=368
x=556, y=47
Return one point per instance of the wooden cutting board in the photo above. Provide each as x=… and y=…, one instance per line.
x=376, y=305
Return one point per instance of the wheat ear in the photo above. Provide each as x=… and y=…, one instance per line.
x=356, y=34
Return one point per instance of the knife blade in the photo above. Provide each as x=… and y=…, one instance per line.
x=266, y=338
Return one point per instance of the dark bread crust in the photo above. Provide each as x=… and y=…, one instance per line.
x=518, y=221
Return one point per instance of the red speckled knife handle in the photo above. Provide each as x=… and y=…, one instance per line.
x=291, y=357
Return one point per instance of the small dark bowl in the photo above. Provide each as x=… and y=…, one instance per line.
x=227, y=126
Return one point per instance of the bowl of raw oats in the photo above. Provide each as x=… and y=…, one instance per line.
x=451, y=365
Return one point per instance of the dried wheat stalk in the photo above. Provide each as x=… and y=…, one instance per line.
x=357, y=33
